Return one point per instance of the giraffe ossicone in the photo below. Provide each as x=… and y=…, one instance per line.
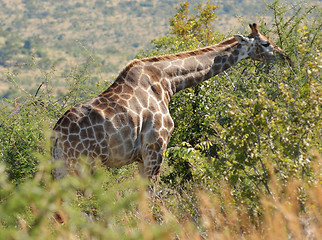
x=130, y=121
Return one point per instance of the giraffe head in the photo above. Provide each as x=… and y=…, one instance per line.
x=260, y=47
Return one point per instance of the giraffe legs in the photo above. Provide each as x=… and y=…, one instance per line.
x=150, y=165
x=145, y=173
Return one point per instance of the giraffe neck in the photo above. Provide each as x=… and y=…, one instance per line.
x=169, y=74
x=187, y=69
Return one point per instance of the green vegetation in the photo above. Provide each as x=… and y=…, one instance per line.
x=244, y=161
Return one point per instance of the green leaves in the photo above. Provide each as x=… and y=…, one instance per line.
x=195, y=27
x=252, y=118
x=187, y=31
x=250, y=138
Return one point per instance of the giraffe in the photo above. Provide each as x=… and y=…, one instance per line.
x=130, y=121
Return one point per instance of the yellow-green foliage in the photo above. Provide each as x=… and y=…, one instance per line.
x=127, y=210
x=244, y=161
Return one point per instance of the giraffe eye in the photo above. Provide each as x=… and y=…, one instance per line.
x=265, y=44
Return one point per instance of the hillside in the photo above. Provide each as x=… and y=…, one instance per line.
x=51, y=39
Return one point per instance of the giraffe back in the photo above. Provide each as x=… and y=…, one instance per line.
x=118, y=126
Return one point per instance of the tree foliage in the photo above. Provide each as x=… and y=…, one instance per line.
x=245, y=150
x=252, y=117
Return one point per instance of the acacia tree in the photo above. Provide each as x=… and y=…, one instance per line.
x=254, y=117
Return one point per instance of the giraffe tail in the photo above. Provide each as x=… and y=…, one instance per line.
x=57, y=155
x=55, y=148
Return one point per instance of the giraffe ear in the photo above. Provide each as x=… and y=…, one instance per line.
x=241, y=39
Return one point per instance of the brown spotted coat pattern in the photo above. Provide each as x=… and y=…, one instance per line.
x=130, y=121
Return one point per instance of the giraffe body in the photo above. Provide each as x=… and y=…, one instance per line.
x=130, y=121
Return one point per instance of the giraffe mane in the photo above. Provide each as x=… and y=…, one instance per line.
x=225, y=43
x=174, y=56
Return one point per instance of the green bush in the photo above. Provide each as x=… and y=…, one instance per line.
x=126, y=211
x=21, y=126
x=243, y=162
x=254, y=115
